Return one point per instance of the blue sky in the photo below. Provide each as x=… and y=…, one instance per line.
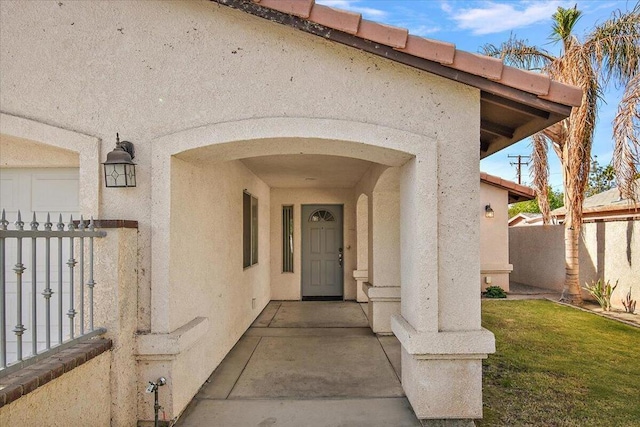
x=471, y=24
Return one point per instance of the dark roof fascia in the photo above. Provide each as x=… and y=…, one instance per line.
x=388, y=52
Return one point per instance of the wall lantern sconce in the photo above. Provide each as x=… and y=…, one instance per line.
x=119, y=169
x=488, y=212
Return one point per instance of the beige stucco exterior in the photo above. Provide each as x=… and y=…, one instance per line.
x=608, y=250
x=494, y=238
x=197, y=88
x=80, y=397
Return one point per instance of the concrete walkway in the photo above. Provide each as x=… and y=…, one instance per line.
x=306, y=364
x=522, y=291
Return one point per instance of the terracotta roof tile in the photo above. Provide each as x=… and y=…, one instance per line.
x=384, y=34
x=524, y=189
x=301, y=8
x=564, y=94
x=337, y=19
x=480, y=65
x=432, y=50
x=510, y=186
x=526, y=80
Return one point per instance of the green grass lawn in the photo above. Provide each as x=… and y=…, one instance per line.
x=558, y=366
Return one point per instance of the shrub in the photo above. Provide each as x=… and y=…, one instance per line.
x=602, y=292
x=494, y=292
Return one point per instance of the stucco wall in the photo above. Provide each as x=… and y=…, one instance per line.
x=494, y=237
x=286, y=286
x=115, y=308
x=206, y=274
x=149, y=69
x=80, y=397
x=177, y=75
x=23, y=153
x=609, y=250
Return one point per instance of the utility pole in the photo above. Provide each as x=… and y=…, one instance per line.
x=519, y=163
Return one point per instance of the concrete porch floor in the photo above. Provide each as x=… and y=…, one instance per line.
x=306, y=364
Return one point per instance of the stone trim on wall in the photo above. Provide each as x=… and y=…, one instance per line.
x=16, y=385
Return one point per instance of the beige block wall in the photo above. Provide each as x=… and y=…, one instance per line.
x=287, y=286
x=494, y=237
x=609, y=250
x=80, y=397
x=621, y=258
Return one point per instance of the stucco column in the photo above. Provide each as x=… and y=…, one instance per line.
x=116, y=305
x=383, y=288
x=439, y=328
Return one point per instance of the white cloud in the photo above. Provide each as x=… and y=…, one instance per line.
x=446, y=7
x=493, y=17
x=352, y=5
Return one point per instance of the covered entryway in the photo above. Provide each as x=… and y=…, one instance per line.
x=287, y=164
x=322, y=252
x=306, y=363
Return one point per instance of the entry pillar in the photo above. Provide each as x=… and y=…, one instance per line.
x=443, y=343
x=383, y=286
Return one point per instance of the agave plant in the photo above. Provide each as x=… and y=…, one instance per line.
x=602, y=292
x=629, y=304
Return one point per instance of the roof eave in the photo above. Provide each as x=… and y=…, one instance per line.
x=541, y=113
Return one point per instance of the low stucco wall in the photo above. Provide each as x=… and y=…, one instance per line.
x=80, y=397
x=609, y=250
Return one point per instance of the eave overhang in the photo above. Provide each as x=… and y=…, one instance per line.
x=508, y=114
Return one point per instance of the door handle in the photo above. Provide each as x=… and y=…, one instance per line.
x=340, y=256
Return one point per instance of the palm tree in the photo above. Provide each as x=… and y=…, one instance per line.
x=609, y=54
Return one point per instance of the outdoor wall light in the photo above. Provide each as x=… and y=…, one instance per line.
x=488, y=212
x=119, y=169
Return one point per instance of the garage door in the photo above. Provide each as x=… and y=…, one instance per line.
x=39, y=190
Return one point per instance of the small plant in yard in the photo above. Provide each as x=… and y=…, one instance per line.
x=494, y=292
x=602, y=292
x=629, y=304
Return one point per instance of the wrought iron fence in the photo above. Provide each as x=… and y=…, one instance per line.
x=59, y=259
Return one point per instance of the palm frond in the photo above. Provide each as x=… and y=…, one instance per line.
x=518, y=53
x=626, y=136
x=563, y=22
x=576, y=68
x=614, y=47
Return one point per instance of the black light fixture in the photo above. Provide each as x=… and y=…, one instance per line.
x=119, y=169
x=488, y=212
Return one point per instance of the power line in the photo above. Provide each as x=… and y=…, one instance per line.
x=519, y=163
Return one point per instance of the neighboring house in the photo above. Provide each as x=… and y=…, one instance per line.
x=281, y=146
x=525, y=219
x=495, y=196
x=607, y=205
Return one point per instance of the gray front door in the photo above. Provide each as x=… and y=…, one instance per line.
x=322, y=252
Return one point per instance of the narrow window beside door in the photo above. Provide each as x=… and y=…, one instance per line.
x=249, y=230
x=287, y=239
